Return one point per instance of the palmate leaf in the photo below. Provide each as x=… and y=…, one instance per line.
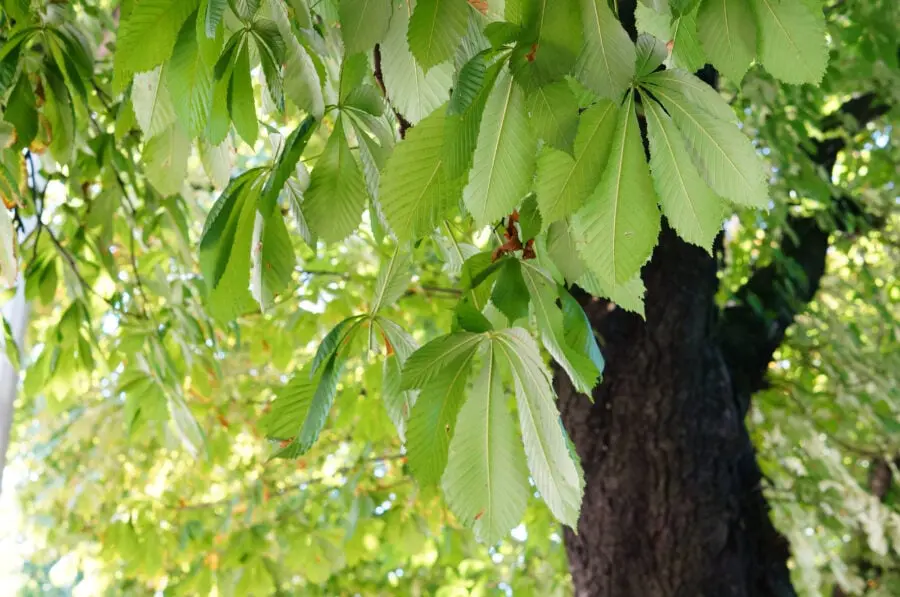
x=412, y=91
x=214, y=11
x=727, y=31
x=618, y=226
x=433, y=419
x=607, y=62
x=435, y=30
x=336, y=197
x=691, y=207
x=146, y=37
x=555, y=470
x=791, y=40
x=486, y=481
x=504, y=155
x=363, y=23
x=563, y=182
x=723, y=154
x=415, y=190
x=577, y=364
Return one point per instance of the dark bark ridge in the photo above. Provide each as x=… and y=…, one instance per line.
x=673, y=502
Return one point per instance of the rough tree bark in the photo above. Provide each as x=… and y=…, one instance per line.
x=673, y=505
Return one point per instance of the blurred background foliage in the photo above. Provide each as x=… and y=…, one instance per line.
x=138, y=464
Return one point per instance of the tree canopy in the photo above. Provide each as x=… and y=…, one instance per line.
x=297, y=272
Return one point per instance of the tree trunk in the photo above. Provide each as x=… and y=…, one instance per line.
x=673, y=504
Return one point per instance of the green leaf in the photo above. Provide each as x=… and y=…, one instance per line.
x=21, y=111
x=687, y=53
x=504, y=155
x=415, y=191
x=469, y=83
x=554, y=114
x=510, y=295
x=61, y=115
x=272, y=258
x=301, y=408
x=691, y=89
x=336, y=197
x=153, y=108
x=629, y=296
x=244, y=9
x=413, y=93
x=271, y=50
x=563, y=183
x=397, y=402
x=286, y=164
x=433, y=418
x=791, y=40
x=486, y=481
x=435, y=30
x=11, y=348
x=562, y=250
x=301, y=80
x=213, y=16
x=578, y=331
x=165, y=160
x=579, y=367
x=146, y=37
x=241, y=105
x=727, y=31
x=688, y=203
x=619, y=224
x=364, y=23
x=333, y=339
x=393, y=280
x=550, y=42
x=723, y=154
x=217, y=162
x=432, y=358
x=467, y=317
x=225, y=247
x=189, y=79
x=462, y=129
x=529, y=218
x=553, y=467
x=650, y=54
x=607, y=62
